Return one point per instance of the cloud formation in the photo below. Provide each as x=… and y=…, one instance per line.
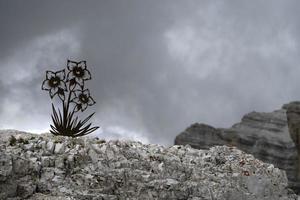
x=157, y=66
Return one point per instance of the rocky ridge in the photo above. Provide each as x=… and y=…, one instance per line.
x=264, y=135
x=48, y=167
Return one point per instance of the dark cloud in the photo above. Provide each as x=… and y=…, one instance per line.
x=157, y=66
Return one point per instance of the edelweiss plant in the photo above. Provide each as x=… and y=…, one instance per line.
x=74, y=97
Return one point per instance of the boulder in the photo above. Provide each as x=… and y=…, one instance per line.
x=131, y=170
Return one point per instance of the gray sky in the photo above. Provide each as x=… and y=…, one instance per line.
x=157, y=66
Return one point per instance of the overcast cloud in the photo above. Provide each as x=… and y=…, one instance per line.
x=157, y=66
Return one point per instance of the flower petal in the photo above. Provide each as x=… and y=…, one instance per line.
x=86, y=92
x=73, y=93
x=45, y=85
x=63, y=85
x=87, y=75
x=82, y=64
x=49, y=75
x=83, y=107
x=78, y=107
x=61, y=74
x=79, y=81
x=76, y=100
x=53, y=92
x=77, y=92
x=70, y=76
x=72, y=84
x=91, y=101
x=71, y=64
x=61, y=94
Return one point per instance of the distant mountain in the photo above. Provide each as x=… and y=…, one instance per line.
x=264, y=135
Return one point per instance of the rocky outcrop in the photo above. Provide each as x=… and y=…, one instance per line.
x=48, y=167
x=264, y=135
x=293, y=119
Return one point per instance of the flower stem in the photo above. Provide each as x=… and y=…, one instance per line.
x=69, y=97
x=66, y=108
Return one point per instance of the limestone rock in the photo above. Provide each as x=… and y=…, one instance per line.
x=89, y=169
x=264, y=135
x=50, y=147
x=5, y=167
x=25, y=189
x=293, y=119
x=59, y=148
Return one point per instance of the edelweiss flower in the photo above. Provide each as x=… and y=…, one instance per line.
x=82, y=100
x=55, y=84
x=78, y=72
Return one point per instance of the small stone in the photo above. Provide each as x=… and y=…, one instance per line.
x=59, y=162
x=6, y=167
x=50, y=146
x=20, y=166
x=42, y=144
x=29, y=146
x=47, y=174
x=93, y=155
x=25, y=190
x=45, y=161
x=57, y=179
x=96, y=148
x=59, y=148
x=171, y=182
x=88, y=176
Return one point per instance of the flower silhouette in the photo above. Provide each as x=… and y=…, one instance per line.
x=65, y=122
x=77, y=73
x=55, y=84
x=82, y=99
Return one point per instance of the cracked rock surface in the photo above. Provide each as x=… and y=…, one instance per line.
x=49, y=167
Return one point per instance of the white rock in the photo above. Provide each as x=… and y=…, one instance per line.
x=59, y=148
x=45, y=161
x=50, y=146
x=59, y=162
x=28, y=146
x=124, y=170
